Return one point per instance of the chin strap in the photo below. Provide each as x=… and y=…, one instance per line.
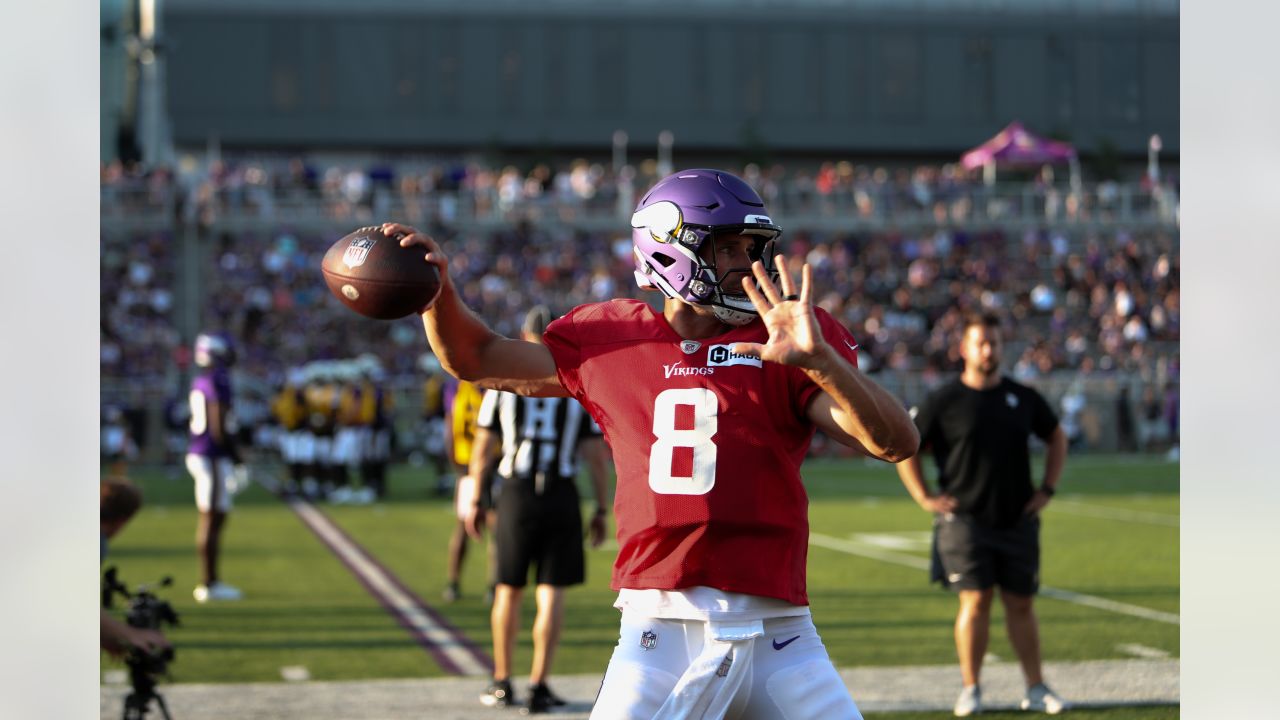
x=730, y=316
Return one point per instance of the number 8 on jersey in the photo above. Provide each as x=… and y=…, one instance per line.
x=698, y=439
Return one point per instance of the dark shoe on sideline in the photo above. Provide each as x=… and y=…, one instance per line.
x=498, y=694
x=541, y=700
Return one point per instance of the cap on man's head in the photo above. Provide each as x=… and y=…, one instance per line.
x=537, y=320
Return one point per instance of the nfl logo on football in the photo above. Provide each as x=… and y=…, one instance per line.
x=358, y=251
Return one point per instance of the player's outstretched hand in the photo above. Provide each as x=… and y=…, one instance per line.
x=410, y=236
x=794, y=335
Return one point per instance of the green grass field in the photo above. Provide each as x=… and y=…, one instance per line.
x=1111, y=533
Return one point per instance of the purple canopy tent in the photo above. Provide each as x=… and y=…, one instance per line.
x=1015, y=146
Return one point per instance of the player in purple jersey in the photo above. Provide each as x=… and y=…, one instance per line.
x=212, y=458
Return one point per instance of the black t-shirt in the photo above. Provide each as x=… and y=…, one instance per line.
x=979, y=440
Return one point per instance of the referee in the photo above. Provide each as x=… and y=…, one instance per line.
x=539, y=517
x=987, y=512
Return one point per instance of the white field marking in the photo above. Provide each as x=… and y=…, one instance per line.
x=1075, y=507
x=854, y=548
x=295, y=673
x=1094, y=601
x=402, y=604
x=1142, y=651
x=896, y=541
x=919, y=563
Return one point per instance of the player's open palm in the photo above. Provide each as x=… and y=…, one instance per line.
x=794, y=336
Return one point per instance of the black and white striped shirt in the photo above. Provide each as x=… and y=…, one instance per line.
x=539, y=435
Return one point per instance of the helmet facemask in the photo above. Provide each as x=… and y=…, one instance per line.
x=722, y=287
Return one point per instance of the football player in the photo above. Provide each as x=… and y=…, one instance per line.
x=212, y=457
x=289, y=408
x=375, y=411
x=708, y=405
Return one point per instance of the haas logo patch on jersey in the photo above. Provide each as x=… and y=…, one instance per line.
x=721, y=355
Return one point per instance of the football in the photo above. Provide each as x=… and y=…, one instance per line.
x=371, y=274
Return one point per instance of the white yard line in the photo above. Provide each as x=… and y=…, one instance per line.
x=1075, y=507
x=406, y=607
x=1142, y=651
x=919, y=563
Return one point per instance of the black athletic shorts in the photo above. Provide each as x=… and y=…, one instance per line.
x=541, y=531
x=971, y=556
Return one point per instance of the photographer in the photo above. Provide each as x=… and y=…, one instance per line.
x=118, y=502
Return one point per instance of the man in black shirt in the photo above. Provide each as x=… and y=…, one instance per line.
x=539, y=519
x=987, y=522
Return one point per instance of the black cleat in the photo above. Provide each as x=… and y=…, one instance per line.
x=541, y=700
x=498, y=694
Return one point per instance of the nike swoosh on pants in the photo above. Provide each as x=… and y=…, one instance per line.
x=779, y=645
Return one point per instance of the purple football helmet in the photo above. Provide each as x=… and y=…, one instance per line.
x=213, y=350
x=681, y=213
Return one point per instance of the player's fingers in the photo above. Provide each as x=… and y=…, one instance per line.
x=391, y=229
x=784, y=278
x=758, y=301
x=745, y=348
x=409, y=237
x=766, y=284
x=806, y=284
x=419, y=239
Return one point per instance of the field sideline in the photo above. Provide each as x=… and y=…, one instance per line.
x=1110, y=552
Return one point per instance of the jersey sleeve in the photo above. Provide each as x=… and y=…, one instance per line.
x=837, y=337
x=203, y=391
x=1043, y=419
x=562, y=338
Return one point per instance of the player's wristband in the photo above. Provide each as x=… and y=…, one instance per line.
x=1047, y=490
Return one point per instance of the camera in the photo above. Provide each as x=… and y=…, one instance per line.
x=145, y=611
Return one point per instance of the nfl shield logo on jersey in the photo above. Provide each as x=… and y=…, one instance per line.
x=690, y=346
x=648, y=640
x=358, y=251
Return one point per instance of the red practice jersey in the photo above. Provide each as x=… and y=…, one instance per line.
x=707, y=446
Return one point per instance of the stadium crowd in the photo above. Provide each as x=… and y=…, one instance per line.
x=1080, y=301
x=455, y=188
x=1100, y=306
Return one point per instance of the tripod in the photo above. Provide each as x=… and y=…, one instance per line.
x=144, y=691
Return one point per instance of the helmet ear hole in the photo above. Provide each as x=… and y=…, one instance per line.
x=664, y=259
